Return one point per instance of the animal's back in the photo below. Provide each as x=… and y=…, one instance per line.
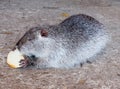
x=79, y=28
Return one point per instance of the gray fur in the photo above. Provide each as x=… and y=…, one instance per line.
x=74, y=41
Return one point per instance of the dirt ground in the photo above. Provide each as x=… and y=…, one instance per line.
x=17, y=16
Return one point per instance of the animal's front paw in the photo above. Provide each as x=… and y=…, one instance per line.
x=23, y=63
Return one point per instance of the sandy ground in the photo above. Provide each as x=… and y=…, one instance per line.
x=17, y=16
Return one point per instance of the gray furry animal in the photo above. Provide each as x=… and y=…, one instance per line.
x=66, y=45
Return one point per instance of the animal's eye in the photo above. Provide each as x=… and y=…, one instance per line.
x=29, y=39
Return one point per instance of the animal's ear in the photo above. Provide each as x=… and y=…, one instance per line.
x=44, y=33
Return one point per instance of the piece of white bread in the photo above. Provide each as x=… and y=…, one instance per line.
x=14, y=58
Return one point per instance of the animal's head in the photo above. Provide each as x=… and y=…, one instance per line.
x=33, y=42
